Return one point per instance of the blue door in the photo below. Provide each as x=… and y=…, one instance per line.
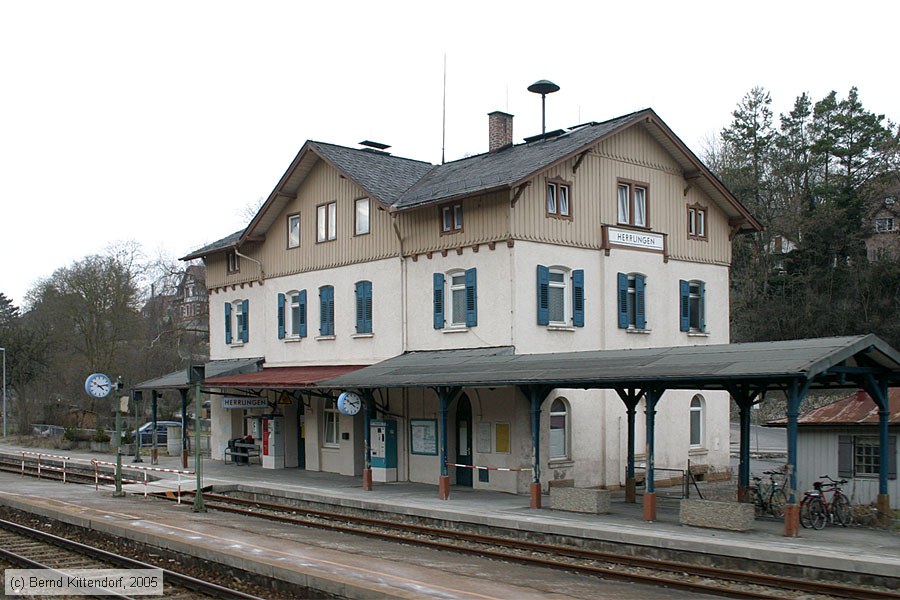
x=464, y=441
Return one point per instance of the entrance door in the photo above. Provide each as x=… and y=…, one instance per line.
x=464, y=441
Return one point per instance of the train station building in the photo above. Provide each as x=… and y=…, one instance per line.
x=554, y=310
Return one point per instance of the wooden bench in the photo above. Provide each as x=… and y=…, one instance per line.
x=241, y=453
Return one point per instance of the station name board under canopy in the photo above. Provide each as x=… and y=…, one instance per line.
x=243, y=402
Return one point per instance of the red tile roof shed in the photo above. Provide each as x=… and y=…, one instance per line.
x=857, y=409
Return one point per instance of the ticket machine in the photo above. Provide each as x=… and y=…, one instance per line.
x=383, y=440
x=272, y=442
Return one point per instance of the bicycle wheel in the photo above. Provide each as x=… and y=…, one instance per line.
x=818, y=514
x=840, y=508
x=757, y=504
x=777, y=502
x=804, y=512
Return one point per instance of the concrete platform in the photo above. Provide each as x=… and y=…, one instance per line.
x=859, y=550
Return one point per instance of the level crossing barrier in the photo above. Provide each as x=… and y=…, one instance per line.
x=477, y=467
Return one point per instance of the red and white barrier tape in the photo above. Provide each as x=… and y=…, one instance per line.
x=488, y=468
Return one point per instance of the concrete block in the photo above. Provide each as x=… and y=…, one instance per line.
x=585, y=500
x=713, y=514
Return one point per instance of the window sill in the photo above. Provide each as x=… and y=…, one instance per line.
x=292, y=340
x=362, y=336
x=697, y=450
x=236, y=344
x=455, y=329
x=331, y=447
x=698, y=334
x=324, y=338
x=637, y=331
x=560, y=463
x=560, y=328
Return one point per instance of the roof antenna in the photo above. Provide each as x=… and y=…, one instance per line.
x=444, y=111
x=543, y=87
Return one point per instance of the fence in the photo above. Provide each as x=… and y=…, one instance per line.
x=49, y=464
x=145, y=479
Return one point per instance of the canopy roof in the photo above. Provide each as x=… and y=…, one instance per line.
x=824, y=362
x=216, y=368
x=281, y=377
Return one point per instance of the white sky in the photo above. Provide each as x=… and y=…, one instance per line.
x=160, y=122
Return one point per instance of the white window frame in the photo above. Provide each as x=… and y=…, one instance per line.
x=629, y=209
x=293, y=230
x=291, y=320
x=566, y=286
x=696, y=421
x=331, y=424
x=696, y=300
x=885, y=224
x=362, y=215
x=326, y=222
x=452, y=218
x=559, y=199
x=565, y=413
x=234, y=262
x=696, y=221
x=456, y=287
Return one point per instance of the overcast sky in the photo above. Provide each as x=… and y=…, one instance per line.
x=161, y=122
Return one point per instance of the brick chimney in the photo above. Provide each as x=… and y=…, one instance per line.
x=500, y=134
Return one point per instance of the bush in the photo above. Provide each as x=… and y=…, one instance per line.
x=100, y=435
x=70, y=434
x=127, y=438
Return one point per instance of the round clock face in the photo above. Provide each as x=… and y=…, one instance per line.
x=349, y=403
x=98, y=385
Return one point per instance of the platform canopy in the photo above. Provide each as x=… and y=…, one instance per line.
x=822, y=362
x=214, y=368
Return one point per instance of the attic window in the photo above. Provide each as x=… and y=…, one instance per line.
x=361, y=216
x=451, y=218
x=558, y=199
x=696, y=221
x=234, y=262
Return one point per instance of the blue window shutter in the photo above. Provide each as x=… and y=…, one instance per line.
x=702, y=306
x=302, y=303
x=471, y=298
x=578, y=298
x=684, y=289
x=326, y=310
x=228, y=323
x=622, y=302
x=280, y=316
x=367, y=308
x=543, y=295
x=640, y=314
x=438, y=300
x=364, y=307
x=245, y=327
x=360, y=303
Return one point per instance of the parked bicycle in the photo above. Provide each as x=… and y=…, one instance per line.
x=769, y=497
x=815, y=509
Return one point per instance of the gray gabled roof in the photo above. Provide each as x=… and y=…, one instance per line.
x=225, y=243
x=678, y=367
x=508, y=167
x=382, y=176
x=403, y=184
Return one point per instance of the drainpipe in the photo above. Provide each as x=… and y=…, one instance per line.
x=404, y=325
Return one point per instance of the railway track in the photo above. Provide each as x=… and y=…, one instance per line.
x=28, y=548
x=696, y=578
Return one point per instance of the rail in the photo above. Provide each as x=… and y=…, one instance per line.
x=141, y=469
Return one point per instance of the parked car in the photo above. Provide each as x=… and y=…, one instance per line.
x=162, y=432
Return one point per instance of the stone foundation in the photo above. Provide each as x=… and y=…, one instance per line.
x=733, y=516
x=584, y=500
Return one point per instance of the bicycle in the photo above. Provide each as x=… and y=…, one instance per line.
x=816, y=510
x=769, y=498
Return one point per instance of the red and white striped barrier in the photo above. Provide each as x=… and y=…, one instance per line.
x=489, y=468
x=145, y=470
x=53, y=457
